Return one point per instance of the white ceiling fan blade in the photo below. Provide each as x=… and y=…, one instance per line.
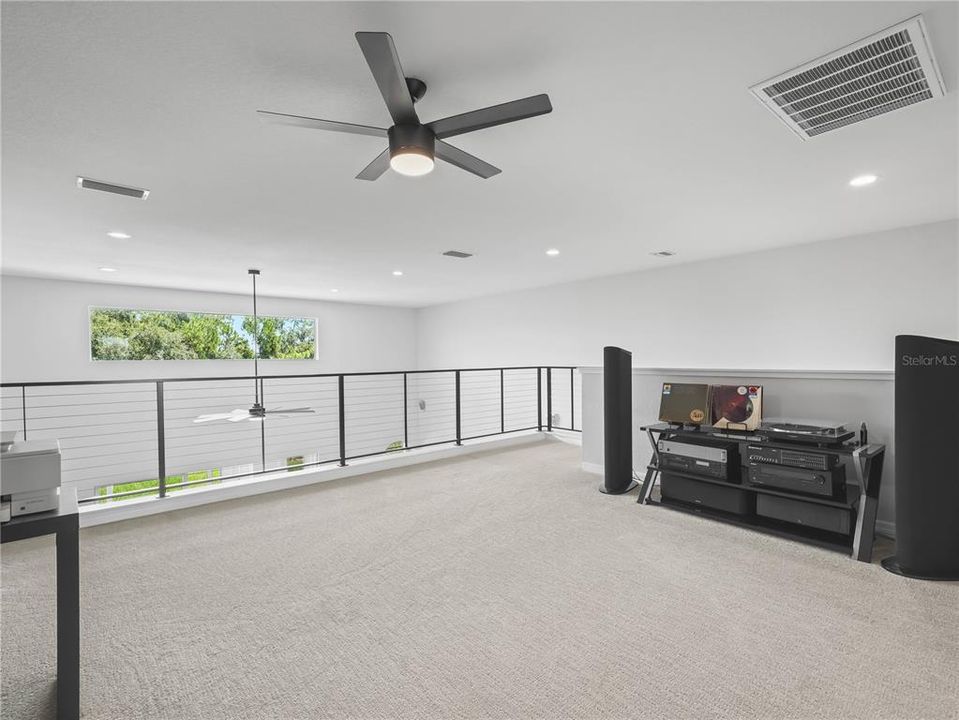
x=240, y=416
x=291, y=412
x=217, y=416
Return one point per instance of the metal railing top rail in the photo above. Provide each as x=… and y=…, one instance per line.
x=125, y=381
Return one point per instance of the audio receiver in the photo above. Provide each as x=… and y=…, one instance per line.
x=791, y=458
x=825, y=483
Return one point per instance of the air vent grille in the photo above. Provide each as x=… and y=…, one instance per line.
x=884, y=72
x=88, y=184
x=458, y=254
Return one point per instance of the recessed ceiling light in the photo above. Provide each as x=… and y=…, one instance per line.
x=117, y=235
x=108, y=269
x=397, y=272
x=552, y=252
x=862, y=180
x=333, y=290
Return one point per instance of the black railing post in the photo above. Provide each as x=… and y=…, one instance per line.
x=23, y=408
x=262, y=429
x=161, y=442
x=549, y=399
x=406, y=419
x=342, y=423
x=572, y=407
x=459, y=433
x=502, y=404
x=539, y=399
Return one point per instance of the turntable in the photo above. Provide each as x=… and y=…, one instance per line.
x=805, y=431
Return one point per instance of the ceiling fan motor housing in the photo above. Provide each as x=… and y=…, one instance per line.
x=406, y=139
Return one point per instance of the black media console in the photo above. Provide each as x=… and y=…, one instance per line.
x=825, y=495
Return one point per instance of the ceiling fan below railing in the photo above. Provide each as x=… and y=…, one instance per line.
x=257, y=411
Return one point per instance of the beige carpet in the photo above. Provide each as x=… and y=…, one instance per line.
x=498, y=585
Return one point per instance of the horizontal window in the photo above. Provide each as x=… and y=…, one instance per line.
x=122, y=334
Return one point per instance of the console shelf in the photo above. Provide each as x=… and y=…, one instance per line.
x=812, y=536
x=861, y=491
x=849, y=502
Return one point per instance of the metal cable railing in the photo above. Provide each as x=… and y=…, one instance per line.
x=137, y=438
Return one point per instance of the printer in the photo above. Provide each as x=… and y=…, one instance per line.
x=30, y=475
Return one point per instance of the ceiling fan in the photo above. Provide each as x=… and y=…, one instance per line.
x=256, y=411
x=414, y=145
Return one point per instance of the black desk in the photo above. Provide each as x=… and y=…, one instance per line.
x=65, y=524
x=862, y=493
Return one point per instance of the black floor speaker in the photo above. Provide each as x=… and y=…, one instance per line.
x=617, y=421
x=927, y=459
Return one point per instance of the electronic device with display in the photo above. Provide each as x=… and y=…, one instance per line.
x=825, y=483
x=708, y=457
x=791, y=457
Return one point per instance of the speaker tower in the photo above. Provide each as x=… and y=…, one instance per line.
x=927, y=459
x=617, y=421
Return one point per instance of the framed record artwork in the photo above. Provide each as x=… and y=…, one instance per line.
x=684, y=403
x=736, y=407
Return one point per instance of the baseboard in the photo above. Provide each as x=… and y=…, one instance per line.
x=594, y=468
x=91, y=515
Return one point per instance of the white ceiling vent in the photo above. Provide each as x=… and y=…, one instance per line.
x=883, y=72
x=88, y=184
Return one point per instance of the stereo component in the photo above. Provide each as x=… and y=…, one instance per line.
x=681, y=463
x=819, y=432
x=927, y=460
x=706, y=495
x=617, y=421
x=828, y=483
x=710, y=458
x=710, y=453
x=791, y=458
x=823, y=517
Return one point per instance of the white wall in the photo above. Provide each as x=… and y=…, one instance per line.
x=46, y=332
x=828, y=305
x=108, y=433
x=835, y=305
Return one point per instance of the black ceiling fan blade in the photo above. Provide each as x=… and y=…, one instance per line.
x=490, y=116
x=380, y=164
x=319, y=124
x=465, y=161
x=380, y=54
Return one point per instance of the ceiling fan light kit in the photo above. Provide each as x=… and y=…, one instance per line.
x=414, y=146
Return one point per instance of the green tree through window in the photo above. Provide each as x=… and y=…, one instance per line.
x=120, y=334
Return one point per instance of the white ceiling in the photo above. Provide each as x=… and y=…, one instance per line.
x=654, y=142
